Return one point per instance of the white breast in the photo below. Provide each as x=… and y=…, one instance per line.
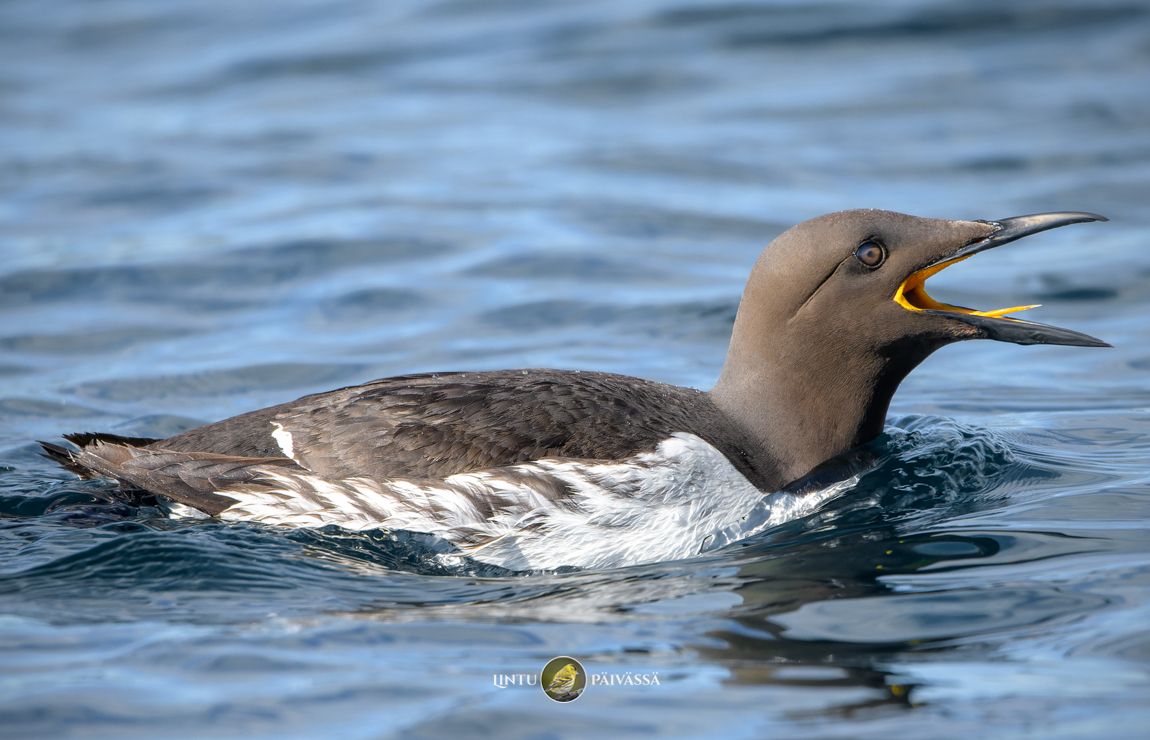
x=675, y=502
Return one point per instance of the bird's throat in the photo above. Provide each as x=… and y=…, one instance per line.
x=803, y=413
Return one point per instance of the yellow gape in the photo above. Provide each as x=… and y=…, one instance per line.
x=912, y=295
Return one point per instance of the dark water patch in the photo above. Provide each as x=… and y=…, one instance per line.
x=231, y=381
x=334, y=62
x=378, y=552
x=599, y=88
x=945, y=552
x=929, y=617
x=9, y=369
x=370, y=305
x=40, y=408
x=225, y=282
x=146, y=285
x=1057, y=288
x=190, y=573
x=558, y=266
x=82, y=503
x=94, y=34
x=154, y=425
x=697, y=318
x=550, y=315
x=183, y=559
x=83, y=343
x=707, y=166
x=159, y=196
x=645, y=221
x=1140, y=363
x=996, y=163
x=307, y=257
x=753, y=26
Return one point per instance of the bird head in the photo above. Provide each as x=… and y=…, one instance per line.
x=836, y=313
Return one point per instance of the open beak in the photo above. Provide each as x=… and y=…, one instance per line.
x=996, y=324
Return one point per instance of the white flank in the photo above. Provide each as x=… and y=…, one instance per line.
x=284, y=440
x=675, y=502
x=179, y=511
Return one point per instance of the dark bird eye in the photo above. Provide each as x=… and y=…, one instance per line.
x=871, y=254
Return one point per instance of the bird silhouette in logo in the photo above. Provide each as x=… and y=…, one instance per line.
x=562, y=686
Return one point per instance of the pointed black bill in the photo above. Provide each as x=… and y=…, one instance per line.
x=1016, y=227
x=1005, y=328
x=1019, y=331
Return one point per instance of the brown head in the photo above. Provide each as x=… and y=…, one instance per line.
x=835, y=314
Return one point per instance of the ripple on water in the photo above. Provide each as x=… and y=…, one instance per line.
x=210, y=208
x=219, y=382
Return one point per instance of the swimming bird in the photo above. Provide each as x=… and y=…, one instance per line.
x=539, y=469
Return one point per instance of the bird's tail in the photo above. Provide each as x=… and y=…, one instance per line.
x=69, y=458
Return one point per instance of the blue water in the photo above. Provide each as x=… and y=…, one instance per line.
x=207, y=207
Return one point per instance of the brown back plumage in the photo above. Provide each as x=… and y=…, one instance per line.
x=420, y=427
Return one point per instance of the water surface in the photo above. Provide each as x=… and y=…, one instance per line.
x=210, y=207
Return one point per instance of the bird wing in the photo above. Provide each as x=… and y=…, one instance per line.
x=564, y=678
x=435, y=425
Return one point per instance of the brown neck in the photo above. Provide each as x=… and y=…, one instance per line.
x=802, y=402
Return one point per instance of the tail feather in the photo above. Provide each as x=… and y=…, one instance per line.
x=190, y=478
x=83, y=439
x=69, y=458
x=65, y=458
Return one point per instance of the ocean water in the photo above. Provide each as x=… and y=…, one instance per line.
x=208, y=207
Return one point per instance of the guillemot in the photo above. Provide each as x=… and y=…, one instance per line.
x=539, y=469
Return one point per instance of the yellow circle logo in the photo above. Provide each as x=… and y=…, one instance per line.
x=563, y=679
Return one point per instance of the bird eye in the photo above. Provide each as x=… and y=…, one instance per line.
x=870, y=253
